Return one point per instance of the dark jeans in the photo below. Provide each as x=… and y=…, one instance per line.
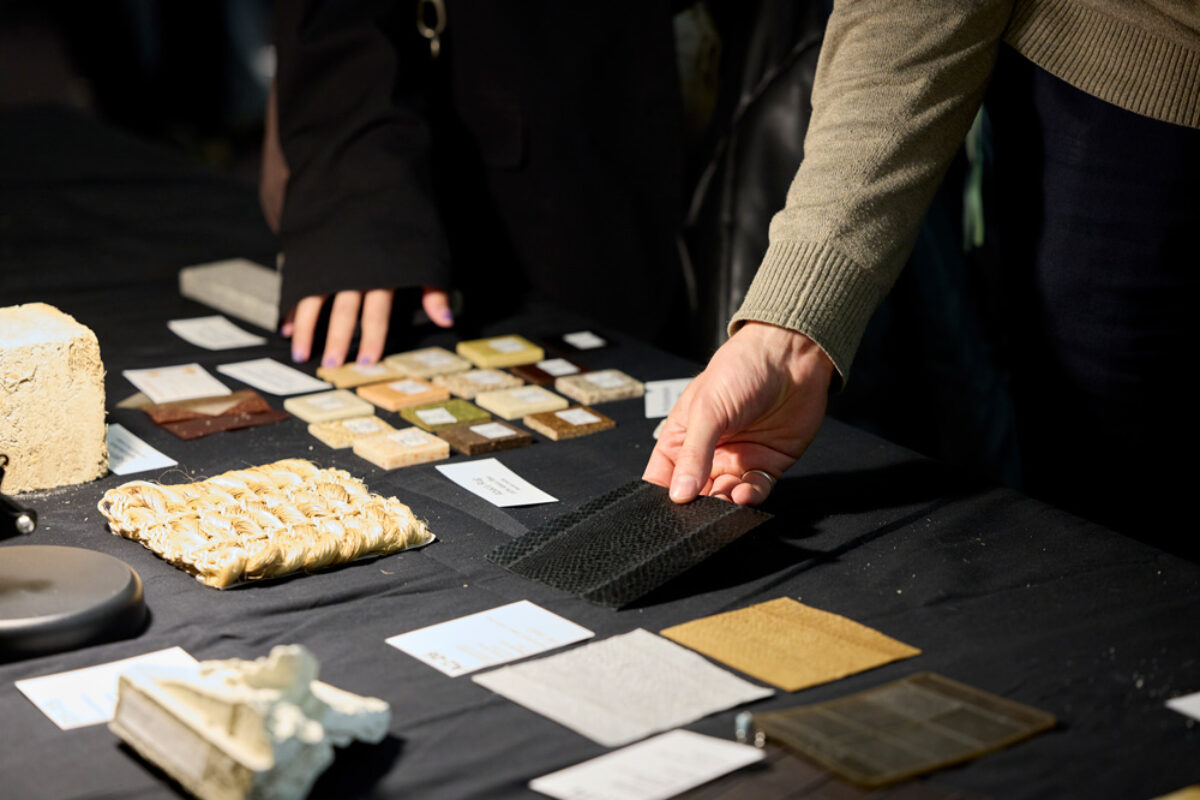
x=1097, y=216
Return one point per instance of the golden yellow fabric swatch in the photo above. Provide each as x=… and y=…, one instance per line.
x=788, y=644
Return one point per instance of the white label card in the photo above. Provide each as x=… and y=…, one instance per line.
x=410, y=438
x=492, y=430
x=269, y=375
x=1187, y=704
x=167, y=384
x=484, y=378
x=506, y=344
x=128, y=454
x=583, y=340
x=362, y=425
x=557, y=367
x=489, y=638
x=661, y=396
x=433, y=358
x=496, y=483
x=213, y=333
x=436, y=416
x=88, y=696
x=654, y=769
x=531, y=394
x=606, y=379
x=408, y=387
x=577, y=416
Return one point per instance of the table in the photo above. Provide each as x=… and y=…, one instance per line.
x=998, y=590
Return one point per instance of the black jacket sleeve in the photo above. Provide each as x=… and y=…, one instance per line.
x=359, y=210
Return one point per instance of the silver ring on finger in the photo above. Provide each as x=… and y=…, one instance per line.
x=770, y=478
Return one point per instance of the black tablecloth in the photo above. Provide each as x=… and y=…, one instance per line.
x=998, y=590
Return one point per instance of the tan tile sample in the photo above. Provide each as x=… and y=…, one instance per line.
x=469, y=384
x=402, y=448
x=514, y=403
x=404, y=393
x=601, y=386
x=445, y=414
x=52, y=397
x=500, y=351
x=788, y=644
x=569, y=423
x=325, y=406
x=348, y=376
x=342, y=433
x=428, y=362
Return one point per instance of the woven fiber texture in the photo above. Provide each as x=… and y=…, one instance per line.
x=262, y=522
x=622, y=544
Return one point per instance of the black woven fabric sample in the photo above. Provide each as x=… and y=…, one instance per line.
x=620, y=545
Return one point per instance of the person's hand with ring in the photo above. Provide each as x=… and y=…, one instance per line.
x=745, y=419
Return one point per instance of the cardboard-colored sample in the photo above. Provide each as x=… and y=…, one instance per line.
x=569, y=423
x=347, y=376
x=341, y=433
x=402, y=448
x=500, y=351
x=514, y=403
x=788, y=644
x=51, y=400
x=403, y=393
x=547, y=371
x=428, y=362
x=485, y=437
x=602, y=386
x=445, y=414
x=326, y=406
x=468, y=385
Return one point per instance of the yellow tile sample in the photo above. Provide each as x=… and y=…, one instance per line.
x=500, y=351
x=341, y=433
x=788, y=644
x=348, y=376
x=402, y=448
x=428, y=362
x=405, y=393
x=514, y=403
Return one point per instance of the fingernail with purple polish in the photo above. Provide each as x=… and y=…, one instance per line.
x=364, y=361
x=329, y=361
x=298, y=357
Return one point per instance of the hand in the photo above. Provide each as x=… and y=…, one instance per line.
x=301, y=322
x=757, y=406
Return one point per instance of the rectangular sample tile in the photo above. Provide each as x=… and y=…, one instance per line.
x=500, y=351
x=623, y=688
x=348, y=376
x=445, y=414
x=404, y=393
x=244, y=401
x=622, y=544
x=569, y=423
x=514, y=403
x=269, y=375
x=239, y=287
x=602, y=386
x=403, y=448
x=428, y=362
x=904, y=728
x=326, y=406
x=485, y=437
x=196, y=428
x=341, y=433
x=788, y=644
x=469, y=384
x=545, y=372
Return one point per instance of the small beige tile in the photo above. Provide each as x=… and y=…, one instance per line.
x=342, y=433
x=404, y=393
x=348, y=376
x=428, y=362
x=402, y=448
x=469, y=384
x=515, y=403
x=326, y=406
x=602, y=386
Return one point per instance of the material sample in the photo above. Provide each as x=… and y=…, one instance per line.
x=469, y=384
x=347, y=376
x=326, y=406
x=428, y=362
x=485, y=437
x=500, y=351
x=569, y=423
x=514, y=403
x=342, y=433
x=395, y=395
x=602, y=386
x=402, y=448
x=445, y=414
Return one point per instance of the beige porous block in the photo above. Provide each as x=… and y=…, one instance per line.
x=600, y=387
x=51, y=400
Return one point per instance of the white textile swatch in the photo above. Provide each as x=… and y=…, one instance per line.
x=623, y=688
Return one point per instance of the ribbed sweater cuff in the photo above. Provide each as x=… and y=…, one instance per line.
x=813, y=289
x=1109, y=59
